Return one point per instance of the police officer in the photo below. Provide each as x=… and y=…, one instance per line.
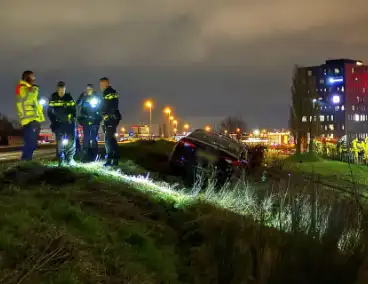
x=30, y=112
x=62, y=114
x=89, y=117
x=111, y=118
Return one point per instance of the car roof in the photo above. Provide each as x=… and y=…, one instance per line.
x=218, y=140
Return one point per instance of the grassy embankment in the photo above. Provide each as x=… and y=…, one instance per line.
x=332, y=172
x=86, y=225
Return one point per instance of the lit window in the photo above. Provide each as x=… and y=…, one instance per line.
x=342, y=107
x=331, y=117
x=352, y=107
x=342, y=89
x=325, y=127
x=337, y=70
x=363, y=90
x=304, y=118
x=322, y=118
x=331, y=127
x=337, y=108
x=343, y=127
x=356, y=117
x=309, y=72
x=352, y=70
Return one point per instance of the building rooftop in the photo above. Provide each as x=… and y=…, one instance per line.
x=342, y=60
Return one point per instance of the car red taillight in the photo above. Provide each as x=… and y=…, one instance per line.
x=235, y=163
x=187, y=143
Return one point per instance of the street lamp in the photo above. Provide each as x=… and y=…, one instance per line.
x=186, y=127
x=207, y=128
x=167, y=110
x=175, y=122
x=256, y=132
x=148, y=104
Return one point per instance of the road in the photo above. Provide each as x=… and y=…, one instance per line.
x=15, y=155
x=46, y=151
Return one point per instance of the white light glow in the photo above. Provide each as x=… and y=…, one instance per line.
x=42, y=102
x=356, y=117
x=144, y=182
x=65, y=142
x=94, y=102
x=336, y=99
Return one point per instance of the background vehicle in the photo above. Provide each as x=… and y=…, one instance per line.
x=203, y=151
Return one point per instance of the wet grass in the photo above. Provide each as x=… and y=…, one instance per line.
x=85, y=225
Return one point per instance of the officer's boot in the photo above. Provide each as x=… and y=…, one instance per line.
x=114, y=162
x=62, y=163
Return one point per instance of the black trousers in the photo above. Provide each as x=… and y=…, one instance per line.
x=111, y=145
x=90, y=141
x=65, y=141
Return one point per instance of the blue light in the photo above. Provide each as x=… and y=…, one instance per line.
x=332, y=80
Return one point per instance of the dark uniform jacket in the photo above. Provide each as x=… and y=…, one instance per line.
x=110, y=108
x=61, y=110
x=89, y=108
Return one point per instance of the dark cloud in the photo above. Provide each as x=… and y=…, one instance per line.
x=208, y=57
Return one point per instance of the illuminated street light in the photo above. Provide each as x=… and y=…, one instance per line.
x=148, y=104
x=186, y=126
x=122, y=129
x=167, y=110
x=207, y=128
x=225, y=131
x=175, y=123
x=171, y=118
x=238, y=130
x=116, y=134
x=256, y=132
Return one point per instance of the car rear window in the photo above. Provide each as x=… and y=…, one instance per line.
x=219, y=141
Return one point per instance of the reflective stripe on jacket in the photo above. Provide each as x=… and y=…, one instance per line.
x=61, y=109
x=28, y=106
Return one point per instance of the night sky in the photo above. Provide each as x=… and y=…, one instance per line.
x=206, y=58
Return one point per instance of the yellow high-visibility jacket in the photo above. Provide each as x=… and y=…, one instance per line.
x=28, y=106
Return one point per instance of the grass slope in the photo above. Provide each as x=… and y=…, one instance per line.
x=334, y=172
x=79, y=226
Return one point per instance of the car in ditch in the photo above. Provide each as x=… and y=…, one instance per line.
x=204, y=152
